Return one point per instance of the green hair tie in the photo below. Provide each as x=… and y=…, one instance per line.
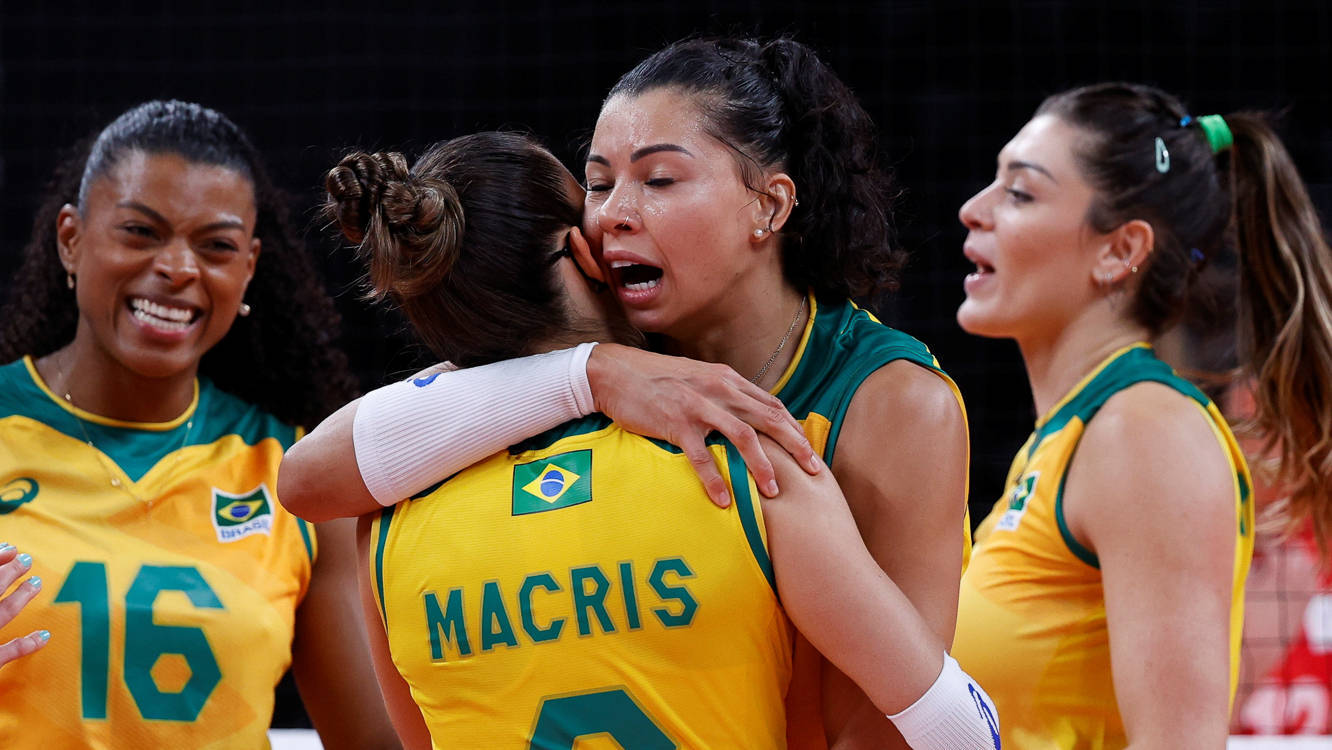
x=1217, y=131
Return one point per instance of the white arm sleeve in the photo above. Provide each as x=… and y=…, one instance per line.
x=411, y=434
x=954, y=714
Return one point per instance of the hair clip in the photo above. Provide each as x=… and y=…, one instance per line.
x=1196, y=255
x=1185, y=120
x=1162, y=156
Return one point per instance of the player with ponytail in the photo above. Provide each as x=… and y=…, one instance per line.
x=1104, y=604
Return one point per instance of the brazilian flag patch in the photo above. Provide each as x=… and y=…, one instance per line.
x=238, y=516
x=552, y=483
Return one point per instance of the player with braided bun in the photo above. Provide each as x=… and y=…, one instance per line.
x=1130, y=505
x=581, y=574
x=165, y=332
x=736, y=199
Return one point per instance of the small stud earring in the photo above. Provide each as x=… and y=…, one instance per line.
x=758, y=234
x=244, y=310
x=69, y=280
x=1135, y=269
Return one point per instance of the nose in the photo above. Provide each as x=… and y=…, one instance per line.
x=176, y=262
x=618, y=213
x=975, y=213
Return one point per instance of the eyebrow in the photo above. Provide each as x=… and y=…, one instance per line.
x=1028, y=165
x=642, y=152
x=155, y=216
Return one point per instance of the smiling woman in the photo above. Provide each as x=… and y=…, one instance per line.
x=146, y=415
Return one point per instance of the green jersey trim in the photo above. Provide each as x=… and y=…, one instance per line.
x=1127, y=367
x=137, y=447
x=843, y=346
x=304, y=526
x=1077, y=548
x=744, y=504
x=385, y=518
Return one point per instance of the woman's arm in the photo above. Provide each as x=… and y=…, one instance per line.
x=12, y=565
x=402, y=709
x=852, y=612
x=902, y=463
x=1150, y=493
x=330, y=653
x=400, y=439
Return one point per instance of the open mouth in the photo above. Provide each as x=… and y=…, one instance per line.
x=635, y=276
x=164, y=317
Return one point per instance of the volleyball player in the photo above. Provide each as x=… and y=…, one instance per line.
x=1103, y=605
x=164, y=331
x=579, y=584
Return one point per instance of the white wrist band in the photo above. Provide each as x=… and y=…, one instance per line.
x=411, y=434
x=954, y=714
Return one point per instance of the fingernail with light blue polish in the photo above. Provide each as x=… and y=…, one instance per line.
x=36, y=582
x=6, y=546
x=45, y=635
x=25, y=560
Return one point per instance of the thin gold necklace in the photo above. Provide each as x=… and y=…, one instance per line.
x=780, y=344
x=102, y=458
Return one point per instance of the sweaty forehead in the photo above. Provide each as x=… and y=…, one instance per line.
x=662, y=115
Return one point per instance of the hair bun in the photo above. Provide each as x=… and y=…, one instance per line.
x=410, y=229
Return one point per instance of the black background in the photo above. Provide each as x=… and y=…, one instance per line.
x=947, y=82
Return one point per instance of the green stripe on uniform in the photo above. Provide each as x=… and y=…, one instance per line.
x=744, y=504
x=304, y=526
x=384, y=519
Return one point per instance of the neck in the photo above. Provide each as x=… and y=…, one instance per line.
x=1057, y=361
x=746, y=327
x=88, y=377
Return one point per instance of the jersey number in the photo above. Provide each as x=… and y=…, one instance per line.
x=145, y=640
x=562, y=720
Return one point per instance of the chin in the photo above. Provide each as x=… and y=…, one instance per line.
x=977, y=323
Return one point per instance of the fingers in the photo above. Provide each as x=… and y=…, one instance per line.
x=706, y=467
x=20, y=647
x=10, y=605
x=745, y=439
x=782, y=427
x=13, y=564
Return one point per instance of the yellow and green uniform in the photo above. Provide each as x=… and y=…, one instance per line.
x=171, y=597
x=581, y=589
x=1031, y=626
x=840, y=347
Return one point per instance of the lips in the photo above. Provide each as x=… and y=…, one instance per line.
x=983, y=269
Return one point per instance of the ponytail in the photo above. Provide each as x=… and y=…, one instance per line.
x=1285, y=319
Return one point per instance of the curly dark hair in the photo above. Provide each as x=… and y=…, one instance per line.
x=776, y=104
x=282, y=357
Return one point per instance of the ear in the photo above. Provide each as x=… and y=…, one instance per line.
x=255, y=246
x=69, y=228
x=774, y=205
x=1125, y=251
x=582, y=255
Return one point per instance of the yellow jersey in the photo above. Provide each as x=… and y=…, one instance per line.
x=1031, y=625
x=171, y=575
x=580, y=590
